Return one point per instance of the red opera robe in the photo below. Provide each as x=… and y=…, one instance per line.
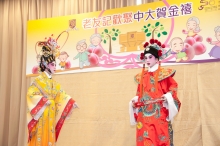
x=153, y=121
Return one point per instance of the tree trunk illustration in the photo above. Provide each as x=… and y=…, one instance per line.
x=153, y=32
x=110, y=44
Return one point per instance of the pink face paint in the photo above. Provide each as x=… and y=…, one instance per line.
x=52, y=67
x=150, y=60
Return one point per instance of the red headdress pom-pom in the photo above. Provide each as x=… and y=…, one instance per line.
x=146, y=44
x=151, y=41
x=142, y=56
x=159, y=53
x=163, y=46
x=159, y=43
x=155, y=41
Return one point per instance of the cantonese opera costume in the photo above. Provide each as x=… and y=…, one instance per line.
x=153, y=120
x=45, y=121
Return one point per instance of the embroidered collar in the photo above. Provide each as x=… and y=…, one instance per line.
x=49, y=76
x=153, y=68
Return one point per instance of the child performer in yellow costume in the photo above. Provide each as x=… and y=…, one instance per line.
x=48, y=105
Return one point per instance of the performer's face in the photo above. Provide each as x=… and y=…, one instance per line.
x=52, y=67
x=150, y=60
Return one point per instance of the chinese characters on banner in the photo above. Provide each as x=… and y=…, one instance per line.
x=130, y=17
x=113, y=39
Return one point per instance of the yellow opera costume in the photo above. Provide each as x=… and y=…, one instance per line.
x=45, y=120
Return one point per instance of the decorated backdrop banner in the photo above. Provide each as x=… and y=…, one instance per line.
x=189, y=32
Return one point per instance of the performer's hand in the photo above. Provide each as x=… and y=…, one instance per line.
x=133, y=104
x=48, y=102
x=138, y=104
x=75, y=105
x=163, y=98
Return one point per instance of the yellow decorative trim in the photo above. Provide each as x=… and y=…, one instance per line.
x=163, y=74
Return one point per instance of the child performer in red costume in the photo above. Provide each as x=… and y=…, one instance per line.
x=155, y=105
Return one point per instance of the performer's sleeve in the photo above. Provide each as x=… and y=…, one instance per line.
x=173, y=86
x=138, y=90
x=133, y=111
x=75, y=105
x=64, y=106
x=172, y=103
x=36, y=102
x=137, y=79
